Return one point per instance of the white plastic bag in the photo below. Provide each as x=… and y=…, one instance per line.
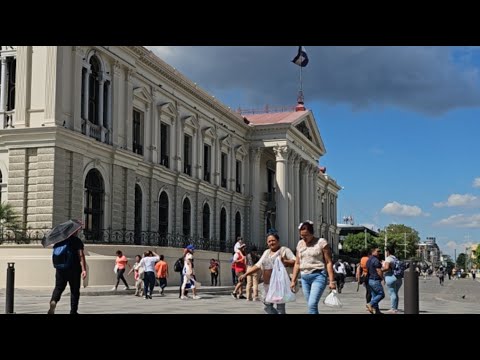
x=279, y=291
x=333, y=300
x=115, y=268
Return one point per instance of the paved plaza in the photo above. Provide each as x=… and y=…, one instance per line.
x=456, y=297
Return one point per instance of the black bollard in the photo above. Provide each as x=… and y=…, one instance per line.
x=411, y=292
x=10, y=288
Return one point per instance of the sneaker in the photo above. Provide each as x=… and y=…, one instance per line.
x=196, y=297
x=242, y=297
x=146, y=297
x=126, y=288
x=183, y=297
x=53, y=305
x=114, y=289
x=234, y=295
x=149, y=296
x=370, y=308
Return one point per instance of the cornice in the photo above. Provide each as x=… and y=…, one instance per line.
x=149, y=59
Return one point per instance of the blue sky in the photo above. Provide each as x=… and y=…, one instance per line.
x=400, y=124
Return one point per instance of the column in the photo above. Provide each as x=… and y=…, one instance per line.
x=173, y=146
x=195, y=164
x=109, y=113
x=22, y=88
x=291, y=200
x=281, y=184
x=100, y=107
x=255, y=156
x=155, y=135
x=310, y=192
x=179, y=135
x=296, y=194
x=115, y=128
x=231, y=170
x=304, y=192
x=85, y=91
x=128, y=119
x=3, y=89
x=77, y=89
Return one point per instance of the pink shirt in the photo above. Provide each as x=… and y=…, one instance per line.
x=121, y=262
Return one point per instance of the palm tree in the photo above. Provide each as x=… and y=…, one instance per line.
x=8, y=218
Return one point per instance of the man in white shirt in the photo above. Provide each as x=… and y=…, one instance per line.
x=340, y=272
x=148, y=263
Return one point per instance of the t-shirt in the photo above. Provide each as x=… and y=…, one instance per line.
x=161, y=269
x=373, y=264
x=75, y=245
x=121, y=262
x=391, y=260
x=148, y=263
x=268, y=257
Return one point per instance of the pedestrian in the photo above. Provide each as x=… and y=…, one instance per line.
x=240, y=263
x=340, y=273
x=161, y=267
x=393, y=283
x=71, y=274
x=188, y=274
x=441, y=275
x=139, y=273
x=375, y=278
x=314, y=262
x=148, y=263
x=213, y=267
x=266, y=264
x=252, y=279
x=121, y=262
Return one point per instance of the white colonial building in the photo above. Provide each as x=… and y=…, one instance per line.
x=114, y=135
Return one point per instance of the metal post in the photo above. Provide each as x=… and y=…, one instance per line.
x=365, y=238
x=10, y=288
x=411, y=292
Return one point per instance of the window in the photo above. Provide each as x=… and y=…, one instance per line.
x=138, y=215
x=206, y=222
x=186, y=217
x=187, y=155
x=223, y=229
x=93, y=209
x=164, y=144
x=238, y=224
x=163, y=213
x=84, y=91
x=224, y=170
x=238, y=176
x=137, y=132
x=93, y=93
x=1, y=187
x=207, y=153
x=270, y=181
x=11, y=78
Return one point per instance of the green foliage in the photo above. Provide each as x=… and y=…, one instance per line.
x=397, y=236
x=8, y=218
x=354, y=244
x=461, y=261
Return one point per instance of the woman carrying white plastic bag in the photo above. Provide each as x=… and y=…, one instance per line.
x=266, y=263
x=279, y=291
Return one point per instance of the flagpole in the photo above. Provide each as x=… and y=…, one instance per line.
x=300, y=93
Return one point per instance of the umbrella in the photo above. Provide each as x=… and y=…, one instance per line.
x=61, y=232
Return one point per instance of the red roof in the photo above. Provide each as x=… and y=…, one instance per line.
x=275, y=118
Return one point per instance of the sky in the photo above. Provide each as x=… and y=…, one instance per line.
x=401, y=125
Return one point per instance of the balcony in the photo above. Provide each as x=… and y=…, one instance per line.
x=8, y=119
x=187, y=169
x=206, y=176
x=224, y=183
x=138, y=148
x=238, y=188
x=97, y=132
x=164, y=160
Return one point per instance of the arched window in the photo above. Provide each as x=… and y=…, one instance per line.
x=238, y=224
x=186, y=217
x=163, y=213
x=138, y=215
x=223, y=229
x=93, y=209
x=93, y=93
x=206, y=222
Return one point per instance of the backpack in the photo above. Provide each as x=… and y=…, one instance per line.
x=62, y=256
x=178, y=266
x=399, y=268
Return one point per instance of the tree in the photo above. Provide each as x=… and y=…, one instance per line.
x=397, y=236
x=461, y=261
x=8, y=218
x=354, y=244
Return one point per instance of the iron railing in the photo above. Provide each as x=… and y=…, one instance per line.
x=124, y=237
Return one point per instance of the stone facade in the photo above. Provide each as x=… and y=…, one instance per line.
x=100, y=133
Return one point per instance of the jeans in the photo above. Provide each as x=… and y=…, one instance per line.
x=393, y=285
x=148, y=282
x=313, y=286
x=376, y=290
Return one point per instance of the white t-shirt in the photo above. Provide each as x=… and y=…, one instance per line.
x=148, y=263
x=268, y=257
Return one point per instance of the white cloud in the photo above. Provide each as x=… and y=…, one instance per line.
x=395, y=208
x=476, y=183
x=459, y=200
x=461, y=221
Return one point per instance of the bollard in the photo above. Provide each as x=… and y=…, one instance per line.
x=10, y=288
x=411, y=292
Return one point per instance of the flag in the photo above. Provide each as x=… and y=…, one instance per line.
x=301, y=59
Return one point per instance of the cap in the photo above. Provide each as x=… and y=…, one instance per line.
x=190, y=247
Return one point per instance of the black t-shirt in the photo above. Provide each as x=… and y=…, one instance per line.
x=75, y=245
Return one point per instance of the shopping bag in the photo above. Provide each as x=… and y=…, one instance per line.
x=279, y=291
x=333, y=300
x=115, y=268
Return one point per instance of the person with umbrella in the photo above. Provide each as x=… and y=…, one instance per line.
x=69, y=262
